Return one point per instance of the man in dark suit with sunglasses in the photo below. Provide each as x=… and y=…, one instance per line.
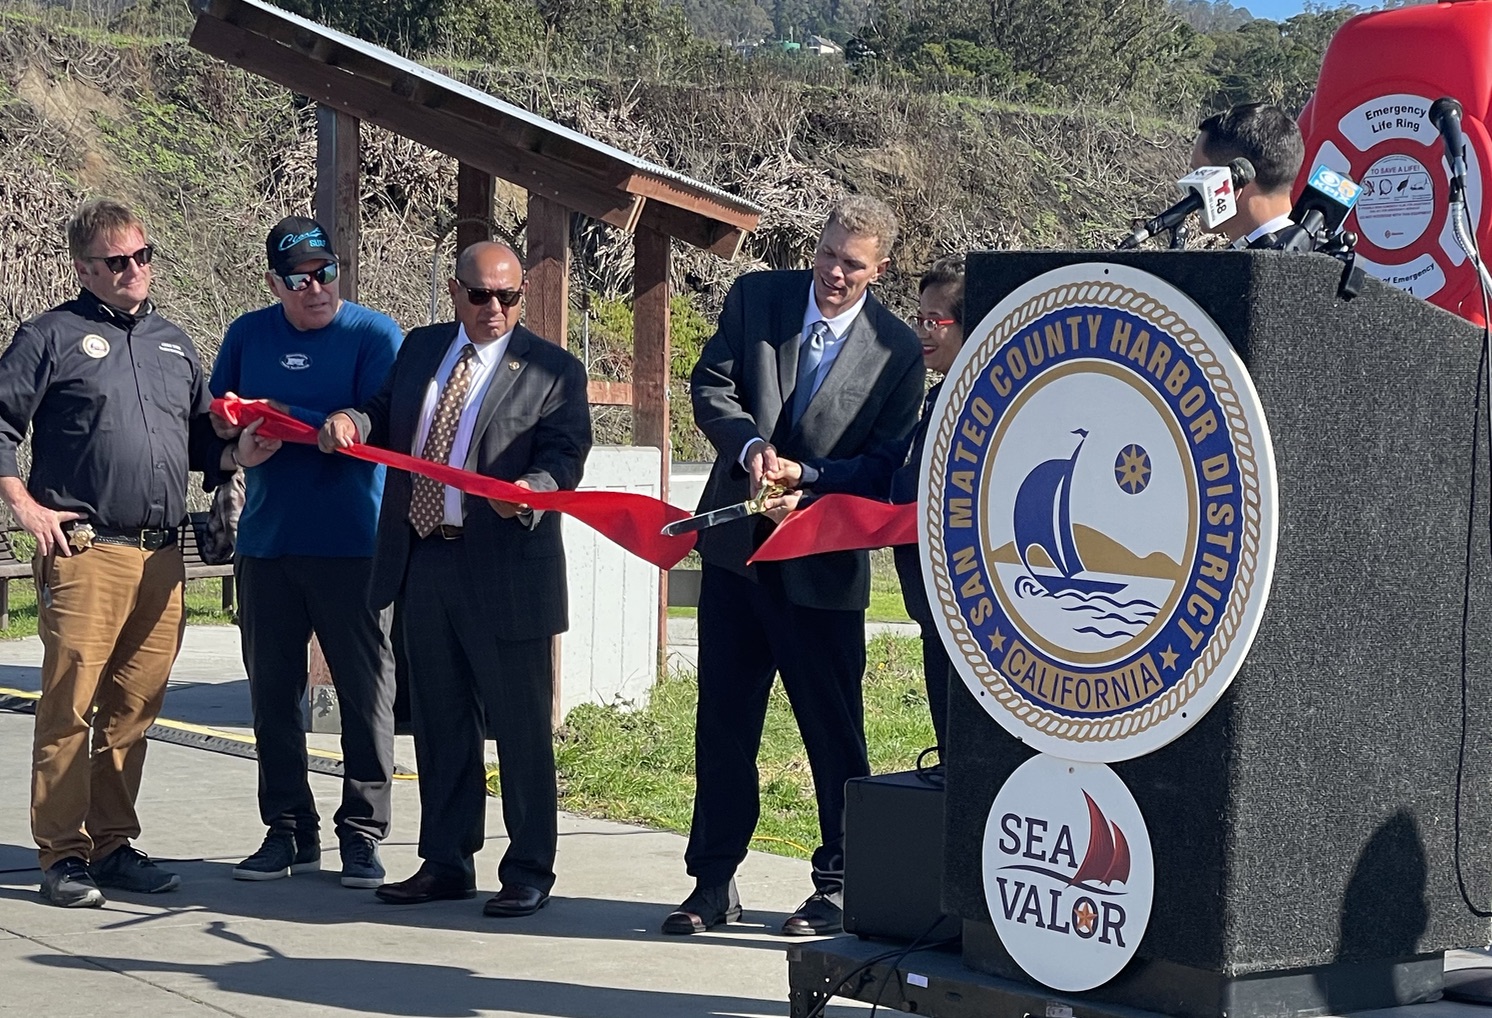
x=303, y=564
x=481, y=583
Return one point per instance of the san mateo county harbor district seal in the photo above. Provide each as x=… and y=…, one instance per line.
x=1098, y=512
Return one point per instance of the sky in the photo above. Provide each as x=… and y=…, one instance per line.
x=1275, y=10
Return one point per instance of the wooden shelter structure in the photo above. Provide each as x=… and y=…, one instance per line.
x=562, y=170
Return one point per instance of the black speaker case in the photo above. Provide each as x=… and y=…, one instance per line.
x=893, y=856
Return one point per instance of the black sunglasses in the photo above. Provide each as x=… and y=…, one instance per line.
x=118, y=263
x=477, y=295
x=300, y=280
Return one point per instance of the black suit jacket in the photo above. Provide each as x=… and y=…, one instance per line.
x=534, y=424
x=741, y=389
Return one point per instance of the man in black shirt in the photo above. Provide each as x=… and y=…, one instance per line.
x=118, y=408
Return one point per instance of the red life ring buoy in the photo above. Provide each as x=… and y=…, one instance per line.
x=1369, y=119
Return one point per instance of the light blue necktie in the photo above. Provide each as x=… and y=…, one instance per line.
x=810, y=356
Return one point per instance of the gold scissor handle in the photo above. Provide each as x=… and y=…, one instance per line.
x=757, y=504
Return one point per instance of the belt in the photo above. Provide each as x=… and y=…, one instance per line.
x=447, y=532
x=145, y=539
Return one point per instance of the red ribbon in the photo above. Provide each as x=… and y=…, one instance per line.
x=631, y=520
x=840, y=523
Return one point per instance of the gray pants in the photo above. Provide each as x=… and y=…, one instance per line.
x=281, y=602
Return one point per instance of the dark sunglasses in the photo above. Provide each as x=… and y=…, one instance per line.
x=300, y=280
x=507, y=298
x=118, y=263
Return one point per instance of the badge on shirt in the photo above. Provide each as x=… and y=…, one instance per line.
x=95, y=346
x=295, y=361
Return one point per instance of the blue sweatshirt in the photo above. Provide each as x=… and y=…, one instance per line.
x=302, y=501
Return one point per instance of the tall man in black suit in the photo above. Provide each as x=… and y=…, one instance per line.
x=481, y=583
x=810, y=363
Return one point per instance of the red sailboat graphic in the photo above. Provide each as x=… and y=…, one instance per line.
x=1107, y=858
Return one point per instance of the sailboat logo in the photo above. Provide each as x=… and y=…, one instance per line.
x=1043, y=521
x=1070, y=915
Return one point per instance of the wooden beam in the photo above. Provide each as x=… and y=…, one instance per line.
x=715, y=237
x=603, y=393
x=437, y=129
x=547, y=306
x=650, y=370
x=473, y=206
x=339, y=160
x=721, y=210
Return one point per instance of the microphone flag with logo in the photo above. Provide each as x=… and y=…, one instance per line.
x=1210, y=190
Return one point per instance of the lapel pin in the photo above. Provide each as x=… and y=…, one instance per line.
x=512, y=365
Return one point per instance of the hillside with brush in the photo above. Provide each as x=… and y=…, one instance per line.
x=113, y=101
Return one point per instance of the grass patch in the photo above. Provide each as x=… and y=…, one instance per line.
x=204, y=607
x=637, y=766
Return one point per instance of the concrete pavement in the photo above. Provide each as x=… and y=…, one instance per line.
x=307, y=946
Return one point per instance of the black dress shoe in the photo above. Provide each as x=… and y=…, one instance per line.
x=424, y=886
x=705, y=908
x=816, y=917
x=515, y=900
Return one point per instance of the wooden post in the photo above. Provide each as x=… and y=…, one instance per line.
x=473, y=206
x=547, y=307
x=546, y=311
x=338, y=208
x=338, y=183
x=650, y=370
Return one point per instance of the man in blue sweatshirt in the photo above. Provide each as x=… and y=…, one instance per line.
x=305, y=555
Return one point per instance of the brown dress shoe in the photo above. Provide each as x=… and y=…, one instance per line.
x=704, y=909
x=424, y=886
x=816, y=917
x=515, y=900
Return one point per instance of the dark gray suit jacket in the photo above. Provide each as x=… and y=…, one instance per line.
x=740, y=386
x=534, y=424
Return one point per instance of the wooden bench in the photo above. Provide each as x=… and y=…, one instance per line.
x=196, y=569
x=11, y=568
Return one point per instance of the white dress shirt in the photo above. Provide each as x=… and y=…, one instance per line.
x=483, y=366
x=1275, y=225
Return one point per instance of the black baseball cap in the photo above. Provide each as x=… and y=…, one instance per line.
x=296, y=239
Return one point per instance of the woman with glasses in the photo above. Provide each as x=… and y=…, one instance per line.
x=891, y=471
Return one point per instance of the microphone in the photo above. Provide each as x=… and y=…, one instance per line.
x=1210, y=190
x=1325, y=202
x=1445, y=114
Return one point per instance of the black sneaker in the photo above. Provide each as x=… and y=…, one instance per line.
x=361, y=866
x=129, y=869
x=68, y=885
x=282, y=854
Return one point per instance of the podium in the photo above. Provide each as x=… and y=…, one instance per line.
x=1323, y=833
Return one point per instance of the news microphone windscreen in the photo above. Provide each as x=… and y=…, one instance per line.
x=1330, y=193
x=1243, y=171
x=1441, y=107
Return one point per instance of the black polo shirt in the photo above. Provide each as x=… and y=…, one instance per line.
x=118, y=408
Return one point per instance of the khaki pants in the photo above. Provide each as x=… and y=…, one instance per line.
x=111, y=620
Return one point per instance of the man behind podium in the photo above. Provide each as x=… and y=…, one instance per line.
x=810, y=363
x=482, y=583
x=1267, y=137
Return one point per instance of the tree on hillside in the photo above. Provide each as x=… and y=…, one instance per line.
x=1211, y=15
x=1276, y=62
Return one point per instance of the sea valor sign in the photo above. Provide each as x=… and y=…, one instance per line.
x=1098, y=512
x=1068, y=872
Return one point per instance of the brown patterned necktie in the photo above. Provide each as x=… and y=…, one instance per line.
x=427, y=502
